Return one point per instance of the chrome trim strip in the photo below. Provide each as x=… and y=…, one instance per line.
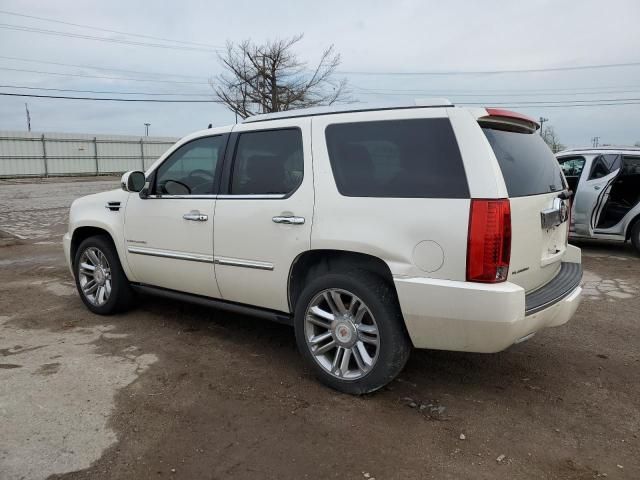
x=154, y=252
x=236, y=262
x=191, y=197
x=255, y=197
x=221, y=197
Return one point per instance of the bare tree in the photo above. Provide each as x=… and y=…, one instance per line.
x=270, y=78
x=551, y=138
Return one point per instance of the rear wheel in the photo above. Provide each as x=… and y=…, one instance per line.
x=350, y=330
x=100, y=280
x=635, y=236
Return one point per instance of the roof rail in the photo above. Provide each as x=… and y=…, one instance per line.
x=601, y=148
x=349, y=108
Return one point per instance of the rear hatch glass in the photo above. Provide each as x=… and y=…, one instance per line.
x=534, y=180
x=528, y=165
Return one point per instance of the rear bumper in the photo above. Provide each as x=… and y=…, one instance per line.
x=463, y=316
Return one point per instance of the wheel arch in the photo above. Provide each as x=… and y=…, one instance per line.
x=83, y=232
x=312, y=263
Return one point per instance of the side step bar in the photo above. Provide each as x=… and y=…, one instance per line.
x=238, y=308
x=565, y=282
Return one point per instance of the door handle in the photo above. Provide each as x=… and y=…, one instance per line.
x=289, y=220
x=597, y=187
x=195, y=216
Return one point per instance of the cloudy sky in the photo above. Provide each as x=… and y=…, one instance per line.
x=390, y=52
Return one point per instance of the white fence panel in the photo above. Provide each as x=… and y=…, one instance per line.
x=37, y=154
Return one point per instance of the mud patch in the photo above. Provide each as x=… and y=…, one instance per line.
x=48, y=369
x=58, y=423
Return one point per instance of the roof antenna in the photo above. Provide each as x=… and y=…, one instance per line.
x=210, y=125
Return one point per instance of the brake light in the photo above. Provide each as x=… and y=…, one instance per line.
x=489, y=240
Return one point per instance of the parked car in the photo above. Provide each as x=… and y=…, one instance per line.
x=606, y=182
x=370, y=230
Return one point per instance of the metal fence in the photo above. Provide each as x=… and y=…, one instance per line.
x=25, y=154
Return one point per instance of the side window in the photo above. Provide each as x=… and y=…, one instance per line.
x=191, y=169
x=416, y=158
x=267, y=162
x=604, y=165
x=631, y=166
x=572, y=166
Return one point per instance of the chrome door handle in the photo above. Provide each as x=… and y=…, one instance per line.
x=289, y=220
x=195, y=216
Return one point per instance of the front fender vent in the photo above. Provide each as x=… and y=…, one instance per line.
x=113, y=206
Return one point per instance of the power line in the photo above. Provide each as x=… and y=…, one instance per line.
x=20, y=28
x=139, y=35
x=492, y=72
x=561, y=101
x=92, y=67
x=23, y=87
x=505, y=94
x=612, y=102
x=83, y=75
x=99, y=99
x=500, y=90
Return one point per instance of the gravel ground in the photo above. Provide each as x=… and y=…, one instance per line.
x=175, y=391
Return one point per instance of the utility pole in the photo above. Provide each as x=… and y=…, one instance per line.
x=26, y=107
x=146, y=129
x=594, y=141
x=542, y=121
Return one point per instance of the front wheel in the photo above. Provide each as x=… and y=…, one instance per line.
x=350, y=330
x=100, y=280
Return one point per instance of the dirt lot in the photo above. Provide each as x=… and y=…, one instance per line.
x=175, y=391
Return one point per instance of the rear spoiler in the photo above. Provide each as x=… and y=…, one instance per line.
x=508, y=120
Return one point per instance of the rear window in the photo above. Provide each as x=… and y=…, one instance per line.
x=416, y=158
x=528, y=165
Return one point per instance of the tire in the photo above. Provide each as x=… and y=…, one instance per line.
x=99, y=252
x=347, y=330
x=635, y=236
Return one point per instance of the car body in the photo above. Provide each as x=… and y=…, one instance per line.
x=370, y=229
x=606, y=182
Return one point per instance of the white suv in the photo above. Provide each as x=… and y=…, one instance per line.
x=370, y=230
x=607, y=199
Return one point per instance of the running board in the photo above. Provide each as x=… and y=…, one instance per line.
x=238, y=308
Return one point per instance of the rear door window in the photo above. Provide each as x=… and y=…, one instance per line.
x=528, y=165
x=268, y=162
x=416, y=158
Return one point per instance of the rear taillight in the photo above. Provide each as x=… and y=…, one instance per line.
x=489, y=241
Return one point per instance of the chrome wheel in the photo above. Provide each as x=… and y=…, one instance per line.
x=342, y=334
x=94, y=274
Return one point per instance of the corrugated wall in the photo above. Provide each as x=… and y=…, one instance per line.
x=48, y=154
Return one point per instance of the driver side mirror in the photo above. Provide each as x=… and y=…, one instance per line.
x=133, y=181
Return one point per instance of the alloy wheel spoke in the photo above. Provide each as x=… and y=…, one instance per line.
x=87, y=268
x=320, y=317
x=366, y=358
x=93, y=258
x=325, y=348
x=359, y=361
x=344, y=364
x=336, y=360
x=90, y=287
x=100, y=294
x=320, y=338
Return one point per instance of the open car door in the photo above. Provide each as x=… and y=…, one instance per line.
x=593, y=192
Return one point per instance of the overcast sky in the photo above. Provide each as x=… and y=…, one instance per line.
x=372, y=36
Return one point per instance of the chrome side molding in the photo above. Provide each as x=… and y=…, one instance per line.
x=236, y=262
x=155, y=252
